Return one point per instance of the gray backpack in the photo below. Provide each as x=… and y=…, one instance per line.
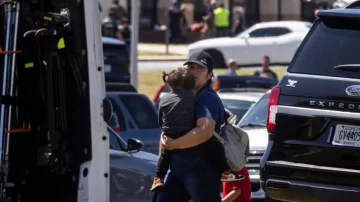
x=235, y=142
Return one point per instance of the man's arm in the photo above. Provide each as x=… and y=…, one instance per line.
x=207, y=112
x=160, y=144
x=232, y=195
x=119, y=35
x=209, y=15
x=201, y=133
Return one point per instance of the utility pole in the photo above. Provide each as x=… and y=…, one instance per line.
x=134, y=43
x=279, y=10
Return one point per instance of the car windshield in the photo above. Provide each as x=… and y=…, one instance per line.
x=116, y=142
x=114, y=121
x=258, y=114
x=141, y=109
x=237, y=107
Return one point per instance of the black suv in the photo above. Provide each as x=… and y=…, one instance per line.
x=313, y=120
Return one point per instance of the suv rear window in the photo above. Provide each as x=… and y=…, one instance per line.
x=331, y=43
x=141, y=109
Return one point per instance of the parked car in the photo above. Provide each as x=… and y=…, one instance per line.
x=313, y=120
x=242, y=81
x=116, y=60
x=254, y=123
x=131, y=170
x=239, y=101
x=279, y=40
x=137, y=117
x=117, y=87
x=221, y=82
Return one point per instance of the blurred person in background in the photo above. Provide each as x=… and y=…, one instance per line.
x=266, y=71
x=232, y=67
x=239, y=22
x=184, y=26
x=110, y=25
x=173, y=15
x=119, y=11
x=210, y=29
x=222, y=22
x=125, y=31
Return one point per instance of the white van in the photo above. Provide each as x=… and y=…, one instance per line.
x=53, y=134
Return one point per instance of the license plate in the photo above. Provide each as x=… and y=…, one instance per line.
x=107, y=68
x=347, y=135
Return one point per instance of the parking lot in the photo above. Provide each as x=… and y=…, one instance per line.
x=293, y=86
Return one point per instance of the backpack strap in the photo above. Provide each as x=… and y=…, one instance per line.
x=226, y=116
x=220, y=139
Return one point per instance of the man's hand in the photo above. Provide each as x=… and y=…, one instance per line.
x=166, y=142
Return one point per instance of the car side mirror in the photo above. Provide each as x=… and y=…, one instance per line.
x=134, y=145
x=107, y=109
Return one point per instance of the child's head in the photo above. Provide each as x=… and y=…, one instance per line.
x=180, y=78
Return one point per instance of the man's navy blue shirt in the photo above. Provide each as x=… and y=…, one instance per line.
x=209, y=105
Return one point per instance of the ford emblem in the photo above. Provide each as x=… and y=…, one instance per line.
x=353, y=90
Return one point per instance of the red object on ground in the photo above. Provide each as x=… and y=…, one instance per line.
x=244, y=185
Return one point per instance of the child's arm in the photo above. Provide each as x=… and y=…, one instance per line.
x=232, y=195
x=160, y=144
x=160, y=124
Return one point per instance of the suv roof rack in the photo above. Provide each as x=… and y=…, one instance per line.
x=355, y=4
x=119, y=87
x=245, y=90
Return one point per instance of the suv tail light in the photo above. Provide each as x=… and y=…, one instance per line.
x=272, y=109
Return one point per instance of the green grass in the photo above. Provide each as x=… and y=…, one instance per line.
x=162, y=44
x=149, y=82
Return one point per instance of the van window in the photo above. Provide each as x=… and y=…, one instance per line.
x=141, y=109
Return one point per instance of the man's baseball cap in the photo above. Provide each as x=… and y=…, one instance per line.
x=201, y=58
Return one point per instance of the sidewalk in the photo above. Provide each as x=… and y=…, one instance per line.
x=180, y=52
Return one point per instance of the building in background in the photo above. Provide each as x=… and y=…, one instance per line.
x=152, y=11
